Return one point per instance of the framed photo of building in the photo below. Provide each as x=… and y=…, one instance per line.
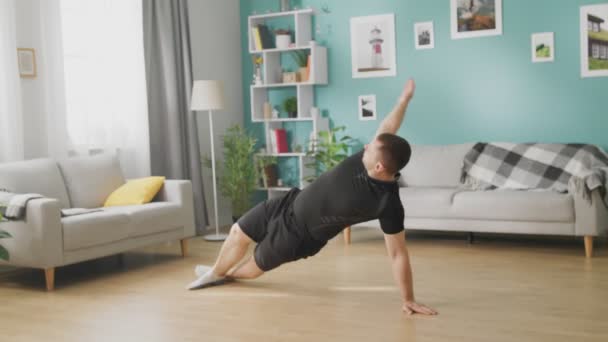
x=594, y=40
x=373, y=50
x=27, y=62
x=475, y=18
x=367, y=107
x=543, y=47
x=424, y=35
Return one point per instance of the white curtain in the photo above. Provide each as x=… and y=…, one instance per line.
x=11, y=119
x=105, y=84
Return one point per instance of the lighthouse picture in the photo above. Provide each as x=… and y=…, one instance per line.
x=373, y=46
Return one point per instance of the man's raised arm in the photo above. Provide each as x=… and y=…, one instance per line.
x=392, y=122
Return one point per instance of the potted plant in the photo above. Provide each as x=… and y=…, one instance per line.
x=266, y=166
x=282, y=38
x=301, y=59
x=291, y=106
x=4, y=255
x=237, y=177
x=328, y=151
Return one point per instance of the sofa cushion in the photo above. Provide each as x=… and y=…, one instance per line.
x=150, y=218
x=41, y=176
x=90, y=180
x=434, y=165
x=93, y=229
x=135, y=191
x=427, y=201
x=514, y=205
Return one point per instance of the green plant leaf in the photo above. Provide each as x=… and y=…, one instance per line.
x=4, y=235
x=4, y=254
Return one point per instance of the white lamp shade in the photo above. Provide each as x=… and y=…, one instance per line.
x=207, y=95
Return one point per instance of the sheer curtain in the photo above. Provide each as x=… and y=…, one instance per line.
x=105, y=83
x=11, y=119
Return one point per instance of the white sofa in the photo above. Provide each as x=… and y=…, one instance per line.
x=45, y=239
x=433, y=201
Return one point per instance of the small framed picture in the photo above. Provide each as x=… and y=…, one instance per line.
x=594, y=40
x=424, y=35
x=373, y=49
x=476, y=18
x=543, y=47
x=367, y=107
x=27, y=62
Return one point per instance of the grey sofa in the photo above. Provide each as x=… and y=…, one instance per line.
x=46, y=240
x=433, y=201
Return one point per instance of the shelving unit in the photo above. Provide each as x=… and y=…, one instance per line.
x=304, y=91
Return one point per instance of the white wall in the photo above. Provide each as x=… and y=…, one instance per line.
x=216, y=54
x=28, y=36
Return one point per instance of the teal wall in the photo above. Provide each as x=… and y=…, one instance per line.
x=481, y=89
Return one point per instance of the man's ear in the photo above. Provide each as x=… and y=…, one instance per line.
x=379, y=167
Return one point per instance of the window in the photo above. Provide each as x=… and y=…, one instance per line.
x=595, y=51
x=603, y=52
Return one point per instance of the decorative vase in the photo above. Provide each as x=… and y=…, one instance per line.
x=271, y=175
x=282, y=41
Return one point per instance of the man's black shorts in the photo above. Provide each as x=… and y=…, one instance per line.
x=272, y=225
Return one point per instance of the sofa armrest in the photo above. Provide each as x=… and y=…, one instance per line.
x=36, y=241
x=180, y=192
x=591, y=216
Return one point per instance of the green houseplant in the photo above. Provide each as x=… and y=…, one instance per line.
x=4, y=255
x=237, y=176
x=328, y=151
x=300, y=57
x=266, y=167
x=291, y=106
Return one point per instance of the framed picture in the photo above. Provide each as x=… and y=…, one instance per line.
x=424, y=35
x=594, y=40
x=476, y=18
x=543, y=47
x=27, y=62
x=373, y=49
x=367, y=107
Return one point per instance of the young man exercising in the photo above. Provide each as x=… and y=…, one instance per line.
x=297, y=225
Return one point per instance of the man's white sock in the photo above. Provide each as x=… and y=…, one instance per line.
x=205, y=280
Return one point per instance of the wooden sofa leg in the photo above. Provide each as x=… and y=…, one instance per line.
x=184, y=246
x=49, y=275
x=588, y=246
x=347, y=235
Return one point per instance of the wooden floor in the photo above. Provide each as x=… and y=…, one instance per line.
x=493, y=290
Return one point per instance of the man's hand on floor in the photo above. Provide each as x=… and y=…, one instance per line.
x=412, y=307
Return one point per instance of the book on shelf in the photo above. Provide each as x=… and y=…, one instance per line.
x=257, y=39
x=281, y=139
x=266, y=37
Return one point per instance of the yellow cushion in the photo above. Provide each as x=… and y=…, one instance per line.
x=136, y=191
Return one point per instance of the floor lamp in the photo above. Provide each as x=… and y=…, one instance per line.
x=209, y=95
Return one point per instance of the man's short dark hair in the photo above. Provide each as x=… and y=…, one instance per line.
x=395, y=152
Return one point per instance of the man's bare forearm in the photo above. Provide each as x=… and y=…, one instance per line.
x=393, y=121
x=402, y=271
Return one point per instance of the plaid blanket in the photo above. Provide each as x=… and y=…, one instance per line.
x=575, y=168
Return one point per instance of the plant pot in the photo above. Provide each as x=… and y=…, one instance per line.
x=303, y=74
x=282, y=41
x=271, y=175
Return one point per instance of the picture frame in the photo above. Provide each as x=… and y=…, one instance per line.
x=373, y=48
x=594, y=40
x=26, y=58
x=424, y=35
x=543, y=47
x=475, y=18
x=367, y=107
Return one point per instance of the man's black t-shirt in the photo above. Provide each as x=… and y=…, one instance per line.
x=346, y=195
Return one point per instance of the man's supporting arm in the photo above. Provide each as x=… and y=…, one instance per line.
x=393, y=121
x=402, y=271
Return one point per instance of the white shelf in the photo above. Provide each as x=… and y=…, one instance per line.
x=308, y=11
x=282, y=85
x=295, y=48
x=286, y=154
x=283, y=120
